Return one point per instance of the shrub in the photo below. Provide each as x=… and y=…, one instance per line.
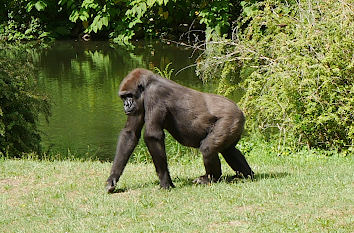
x=119, y=20
x=294, y=61
x=20, y=104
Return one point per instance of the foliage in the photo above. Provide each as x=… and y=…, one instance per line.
x=294, y=60
x=20, y=104
x=20, y=25
x=119, y=20
x=33, y=20
x=167, y=72
x=94, y=15
x=215, y=15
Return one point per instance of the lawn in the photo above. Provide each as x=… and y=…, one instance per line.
x=299, y=193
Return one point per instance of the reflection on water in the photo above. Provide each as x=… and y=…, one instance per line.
x=82, y=79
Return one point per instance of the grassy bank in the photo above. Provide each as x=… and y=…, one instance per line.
x=300, y=194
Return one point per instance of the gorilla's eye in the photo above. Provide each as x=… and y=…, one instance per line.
x=129, y=95
x=141, y=88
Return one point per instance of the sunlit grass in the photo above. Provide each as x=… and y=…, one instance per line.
x=307, y=193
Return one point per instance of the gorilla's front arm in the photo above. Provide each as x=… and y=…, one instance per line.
x=127, y=141
x=154, y=138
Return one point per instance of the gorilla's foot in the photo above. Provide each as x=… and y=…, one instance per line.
x=206, y=179
x=110, y=188
x=111, y=183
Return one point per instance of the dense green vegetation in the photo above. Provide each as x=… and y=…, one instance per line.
x=300, y=193
x=20, y=104
x=120, y=20
x=294, y=62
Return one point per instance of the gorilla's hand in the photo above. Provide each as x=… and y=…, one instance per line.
x=111, y=183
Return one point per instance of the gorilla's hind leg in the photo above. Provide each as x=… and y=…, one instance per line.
x=211, y=163
x=237, y=162
x=212, y=169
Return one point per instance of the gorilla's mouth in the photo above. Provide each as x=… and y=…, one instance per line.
x=130, y=113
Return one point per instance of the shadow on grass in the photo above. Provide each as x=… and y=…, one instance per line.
x=257, y=177
x=184, y=182
x=152, y=184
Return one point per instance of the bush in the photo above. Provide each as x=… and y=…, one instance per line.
x=294, y=61
x=20, y=104
x=120, y=21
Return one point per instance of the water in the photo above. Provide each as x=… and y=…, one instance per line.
x=82, y=79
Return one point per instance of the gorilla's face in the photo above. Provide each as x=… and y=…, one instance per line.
x=133, y=101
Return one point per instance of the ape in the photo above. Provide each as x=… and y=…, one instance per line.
x=209, y=122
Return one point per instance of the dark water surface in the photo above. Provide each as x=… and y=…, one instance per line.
x=82, y=79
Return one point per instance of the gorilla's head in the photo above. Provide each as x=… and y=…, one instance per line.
x=131, y=91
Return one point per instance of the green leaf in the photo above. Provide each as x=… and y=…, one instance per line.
x=44, y=34
x=40, y=5
x=29, y=6
x=131, y=24
x=84, y=15
x=143, y=7
x=250, y=10
x=105, y=20
x=74, y=16
x=138, y=10
x=28, y=31
x=99, y=24
x=150, y=3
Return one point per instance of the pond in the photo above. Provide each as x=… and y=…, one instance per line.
x=82, y=80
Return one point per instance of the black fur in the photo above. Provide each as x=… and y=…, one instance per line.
x=209, y=122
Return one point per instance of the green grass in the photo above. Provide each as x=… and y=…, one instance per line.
x=301, y=193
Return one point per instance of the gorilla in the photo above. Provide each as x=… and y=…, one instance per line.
x=209, y=122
